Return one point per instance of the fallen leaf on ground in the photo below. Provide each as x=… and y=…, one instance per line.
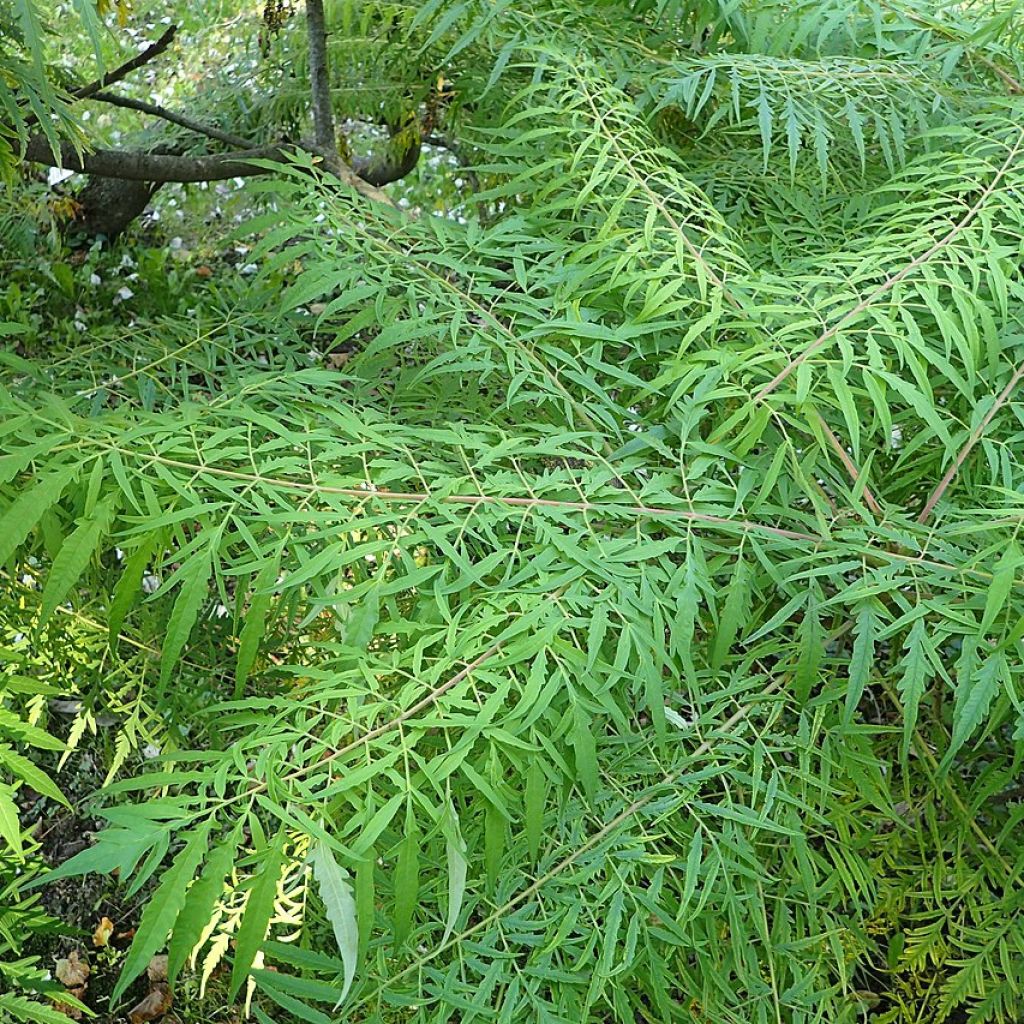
x=154, y=1005
x=71, y=971
x=101, y=936
x=157, y=969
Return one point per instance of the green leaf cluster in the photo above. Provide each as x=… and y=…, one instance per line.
x=629, y=627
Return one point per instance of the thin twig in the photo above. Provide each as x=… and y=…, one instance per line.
x=600, y=508
x=976, y=434
x=397, y=721
x=125, y=69
x=848, y=463
x=419, y=497
x=83, y=92
x=1004, y=76
x=431, y=698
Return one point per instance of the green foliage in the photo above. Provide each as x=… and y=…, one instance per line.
x=627, y=626
x=30, y=99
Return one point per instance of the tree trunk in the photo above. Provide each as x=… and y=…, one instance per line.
x=320, y=77
x=109, y=205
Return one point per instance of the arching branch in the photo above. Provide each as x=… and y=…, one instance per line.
x=125, y=69
x=173, y=117
x=84, y=92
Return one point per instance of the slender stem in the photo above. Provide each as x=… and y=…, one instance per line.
x=976, y=434
x=83, y=92
x=124, y=70
x=393, y=723
x=422, y=498
x=848, y=463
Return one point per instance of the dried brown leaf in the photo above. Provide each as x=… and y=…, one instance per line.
x=155, y=1004
x=157, y=969
x=72, y=971
x=101, y=936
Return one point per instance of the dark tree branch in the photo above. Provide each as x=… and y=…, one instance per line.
x=169, y=115
x=155, y=167
x=163, y=167
x=124, y=70
x=130, y=165
x=83, y=92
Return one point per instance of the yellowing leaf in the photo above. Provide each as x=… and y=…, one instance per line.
x=102, y=932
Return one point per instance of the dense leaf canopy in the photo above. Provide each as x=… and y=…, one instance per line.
x=578, y=583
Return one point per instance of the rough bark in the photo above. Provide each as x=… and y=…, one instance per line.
x=320, y=77
x=108, y=205
x=130, y=165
